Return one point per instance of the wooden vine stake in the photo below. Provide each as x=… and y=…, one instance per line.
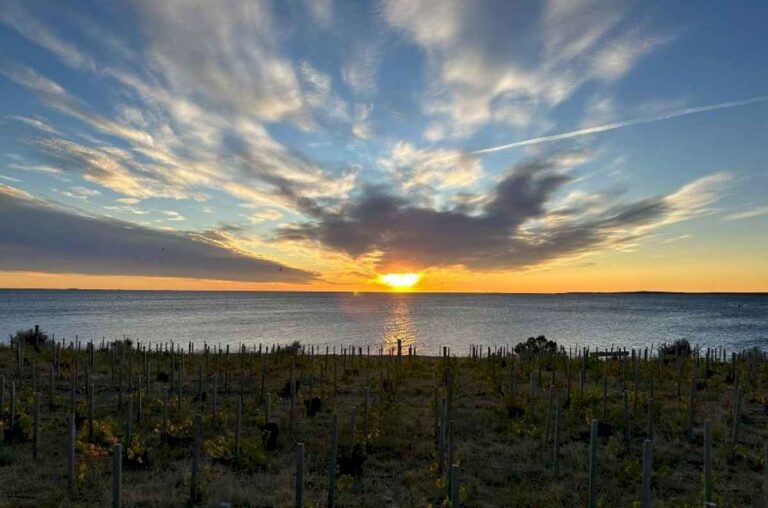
x=117, y=476
x=71, y=454
x=332, y=461
x=454, y=497
x=645, y=494
x=556, y=466
x=194, y=484
x=299, y=500
x=708, y=461
x=593, y=465
x=36, y=429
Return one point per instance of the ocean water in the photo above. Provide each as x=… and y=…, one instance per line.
x=427, y=320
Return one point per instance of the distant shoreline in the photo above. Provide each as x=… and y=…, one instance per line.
x=638, y=292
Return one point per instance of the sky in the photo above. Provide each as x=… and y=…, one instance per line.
x=489, y=146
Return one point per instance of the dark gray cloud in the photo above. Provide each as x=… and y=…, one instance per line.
x=513, y=227
x=37, y=236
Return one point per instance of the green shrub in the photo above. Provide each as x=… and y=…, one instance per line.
x=32, y=337
x=537, y=345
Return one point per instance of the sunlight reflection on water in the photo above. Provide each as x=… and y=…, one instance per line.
x=399, y=325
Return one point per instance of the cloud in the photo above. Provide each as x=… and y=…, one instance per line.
x=173, y=215
x=496, y=65
x=128, y=201
x=238, y=67
x=193, y=117
x=80, y=192
x=37, y=123
x=359, y=67
x=13, y=15
x=760, y=211
x=111, y=167
x=265, y=215
x=58, y=98
x=38, y=236
x=516, y=224
x=441, y=168
x=321, y=12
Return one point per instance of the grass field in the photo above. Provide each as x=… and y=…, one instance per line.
x=519, y=426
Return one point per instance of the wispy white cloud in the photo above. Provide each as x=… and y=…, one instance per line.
x=321, y=12
x=37, y=123
x=760, y=211
x=265, y=215
x=14, y=15
x=359, y=68
x=414, y=168
x=474, y=70
x=80, y=192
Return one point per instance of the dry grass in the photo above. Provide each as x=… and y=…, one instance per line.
x=503, y=459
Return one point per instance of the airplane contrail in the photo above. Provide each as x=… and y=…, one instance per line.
x=618, y=125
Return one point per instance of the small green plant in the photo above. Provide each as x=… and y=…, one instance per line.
x=222, y=449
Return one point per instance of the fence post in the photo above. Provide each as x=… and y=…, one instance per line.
x=708, y=460
x=593, y=465
x=36, y=438
x=129, y=423
x=50, y=389
x=765, y=469
x=332, y=461
x=365, y=416
x=194, y=492
x=547, y=421
x=626, y=420
x=117, y=476
x=650, y=419
x=692, y=403
x=238, y=425
x=91, y=403
x=71, y=454
x=164, y=436
x=13, y=404
x=455, y=501
x=645, y=495
x=605, y=394
x=437, y=416
x=441, y=439
x=557, y=436
x=735, y=428
x=299, y=475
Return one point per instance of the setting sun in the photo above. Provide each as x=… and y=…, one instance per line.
x=400, y=280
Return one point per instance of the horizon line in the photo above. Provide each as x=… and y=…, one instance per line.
x=637, y=291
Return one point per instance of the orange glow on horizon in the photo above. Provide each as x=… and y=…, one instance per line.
x=667, y=269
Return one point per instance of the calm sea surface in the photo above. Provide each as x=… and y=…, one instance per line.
x=427, y=320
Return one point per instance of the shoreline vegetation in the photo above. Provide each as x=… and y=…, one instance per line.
x=128, y=423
